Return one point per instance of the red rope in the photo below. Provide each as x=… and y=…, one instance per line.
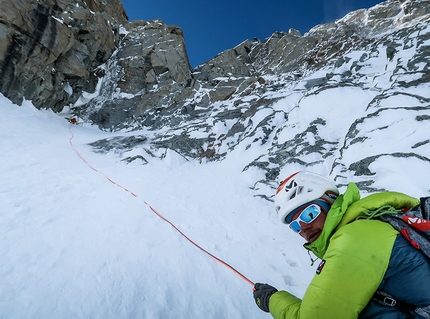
x=94, y=169
x=197, y=245
x=159, y=214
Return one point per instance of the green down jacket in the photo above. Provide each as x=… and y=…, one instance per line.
x=356, y=254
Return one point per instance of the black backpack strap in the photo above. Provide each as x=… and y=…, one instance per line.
x=387, y=300
x=425, y=207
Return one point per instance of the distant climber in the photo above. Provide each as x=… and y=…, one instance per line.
x=72, y=120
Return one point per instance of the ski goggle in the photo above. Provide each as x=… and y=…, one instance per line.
x=308, y=215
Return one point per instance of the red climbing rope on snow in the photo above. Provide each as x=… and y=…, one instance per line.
x=94, y=169
x=155, y=211
x=197, y=245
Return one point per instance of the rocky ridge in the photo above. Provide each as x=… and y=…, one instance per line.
x=314, y=101
x=259, y=94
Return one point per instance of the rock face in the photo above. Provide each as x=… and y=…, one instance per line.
x=147, y=82
x=150, y=70
x=315, y=100
x=49, y=49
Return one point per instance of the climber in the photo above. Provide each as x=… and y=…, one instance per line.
x=72, y=120
x=367, y=269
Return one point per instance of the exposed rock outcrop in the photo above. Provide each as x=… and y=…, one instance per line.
x=313, y=100
x=149, y=88
x=150, y=70
x=49, y=49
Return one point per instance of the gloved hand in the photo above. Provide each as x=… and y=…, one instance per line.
x=262, y=294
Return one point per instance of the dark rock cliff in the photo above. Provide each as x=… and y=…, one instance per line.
x=313, y=100
x=49, y=49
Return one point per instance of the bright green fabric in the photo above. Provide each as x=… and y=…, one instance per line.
x=334, y=218
x=377, y=200
x=356, y=257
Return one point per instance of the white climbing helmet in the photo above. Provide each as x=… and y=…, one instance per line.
x=301, y=188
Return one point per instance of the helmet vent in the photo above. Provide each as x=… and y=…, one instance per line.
x=290, y=186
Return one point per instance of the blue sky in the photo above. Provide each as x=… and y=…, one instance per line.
x=211, y=27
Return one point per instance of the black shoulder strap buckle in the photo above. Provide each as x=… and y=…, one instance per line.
x=388, y=301
x=384, y=299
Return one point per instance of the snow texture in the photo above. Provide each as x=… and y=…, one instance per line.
x=75, y=245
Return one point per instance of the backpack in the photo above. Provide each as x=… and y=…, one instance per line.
x=414, y=225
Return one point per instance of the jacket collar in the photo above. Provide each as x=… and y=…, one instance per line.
x=334, y=218
x=349, y=206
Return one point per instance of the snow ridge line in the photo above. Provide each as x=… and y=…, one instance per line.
x=157, y=212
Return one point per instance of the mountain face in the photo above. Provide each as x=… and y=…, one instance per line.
x=49, y=49
x=321, y=100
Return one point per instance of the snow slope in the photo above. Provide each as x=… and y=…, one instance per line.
x=74, y=245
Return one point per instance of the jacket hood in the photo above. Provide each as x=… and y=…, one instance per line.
x=349, y=206
x=334, y=217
